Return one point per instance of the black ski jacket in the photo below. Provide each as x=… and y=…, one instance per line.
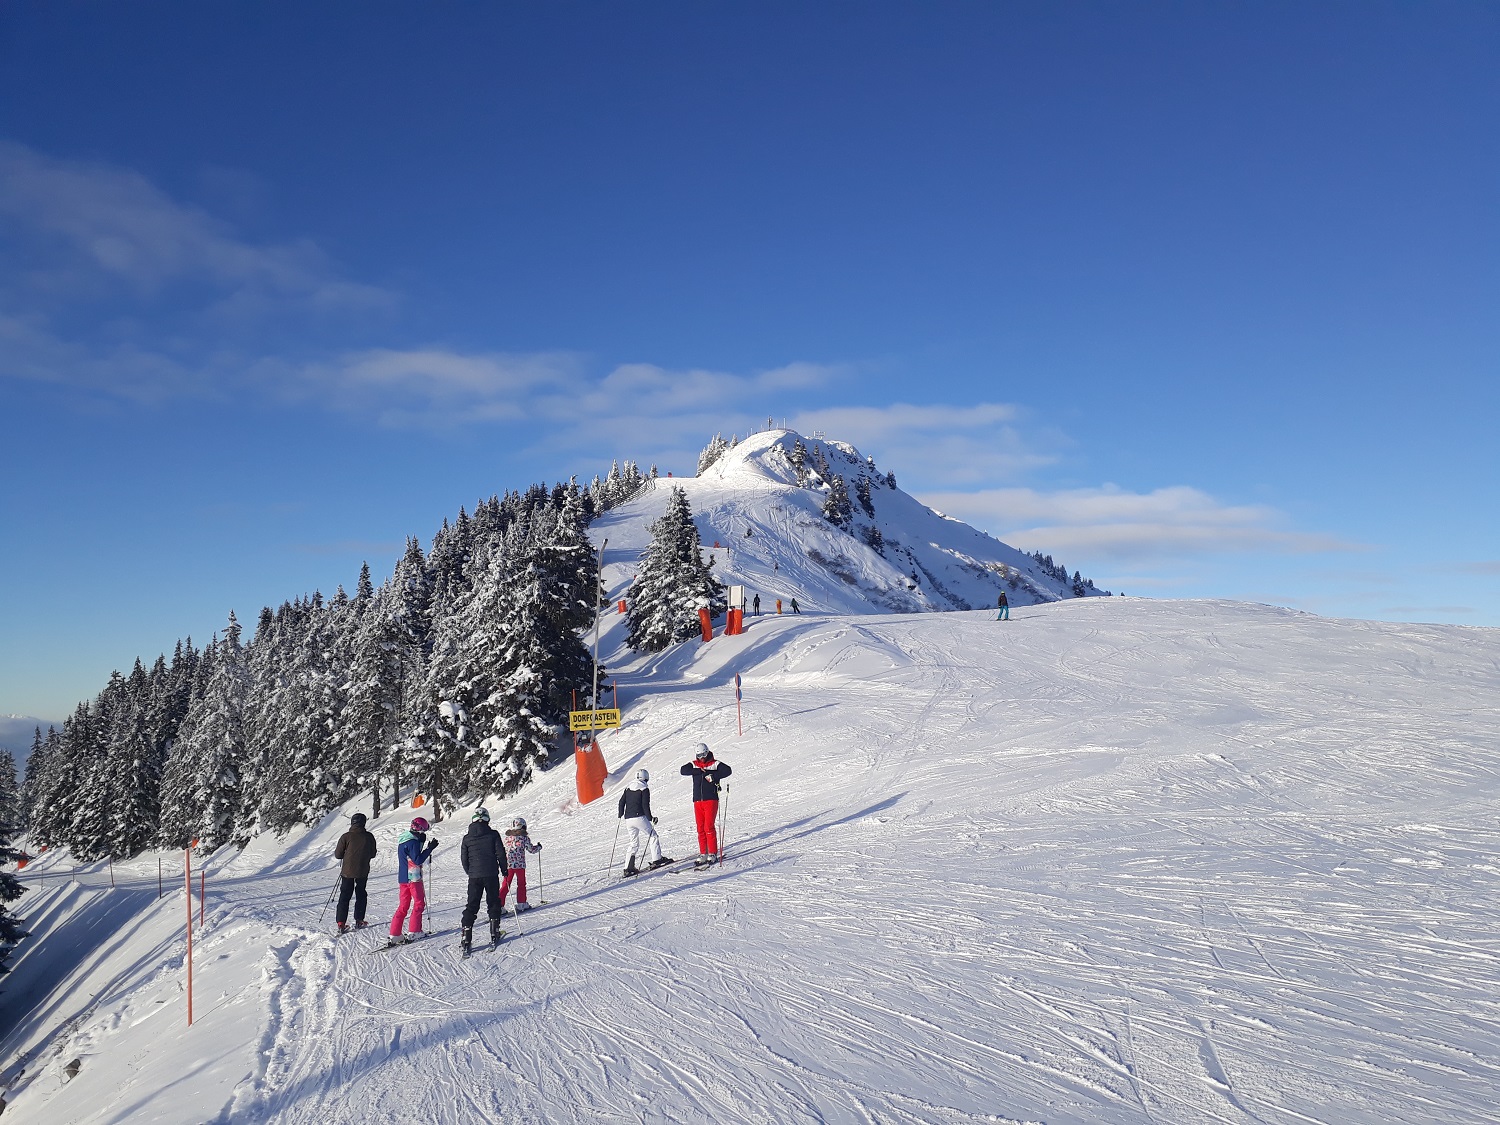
x=635, y=802
x=356, y=848
x=706, y=778
x=482, y=852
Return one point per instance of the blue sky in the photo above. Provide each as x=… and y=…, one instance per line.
x=1199, y=298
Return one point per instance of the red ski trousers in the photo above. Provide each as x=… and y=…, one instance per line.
x=515, y=875
x=706, y=813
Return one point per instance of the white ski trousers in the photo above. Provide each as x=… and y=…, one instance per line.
x=645, y=844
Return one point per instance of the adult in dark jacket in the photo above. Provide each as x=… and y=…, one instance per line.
x=356, y=848
x=1002, y=605
x=635, y=811
x=482, y=855
x=707, y=776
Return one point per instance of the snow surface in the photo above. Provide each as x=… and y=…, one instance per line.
x=1114, y=860
x=1110, y=861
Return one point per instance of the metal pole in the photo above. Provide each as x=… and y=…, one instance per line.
x=187, y=872
x=612, y=847
x=724, y=831
x=337, y=882
x=111, y=872
x=598, y=609
x=158, y=876
x=540, y=893
x=202, y=881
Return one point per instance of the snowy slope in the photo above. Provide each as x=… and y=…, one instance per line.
x=1114, y=860
x=930, y=562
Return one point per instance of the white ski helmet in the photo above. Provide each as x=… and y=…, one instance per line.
x=643, y=777
x=519, y=822
x=704, y=753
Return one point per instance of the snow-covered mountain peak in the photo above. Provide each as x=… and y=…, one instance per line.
x=792, y=516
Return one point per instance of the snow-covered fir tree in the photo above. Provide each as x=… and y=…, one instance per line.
x=212, y=739
x=10, y=789
x=798, y=459
x=673, y=582
x=10, y=890
x=837, y=508
x=712, y=452
x=862, y=494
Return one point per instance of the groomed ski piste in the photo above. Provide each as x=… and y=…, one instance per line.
x=1114, y=860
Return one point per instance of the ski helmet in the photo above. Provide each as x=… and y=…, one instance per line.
x=704, y=754
x=419, y=824
x=481, y=813
x=643, y=777
x=519, y=822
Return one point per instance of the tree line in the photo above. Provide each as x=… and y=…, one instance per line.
x=453, y=676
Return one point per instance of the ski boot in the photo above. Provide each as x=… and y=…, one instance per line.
x=496, y=933
x=343, y=928
x=522, y=907
x=631, y=868
x=662, y=862
x=466, y=940
x=360, y=924
x=705, y=861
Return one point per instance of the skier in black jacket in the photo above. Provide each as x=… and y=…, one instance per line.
x=356, y=848
x=707, y=775
x=482, y=854
x=635, y=810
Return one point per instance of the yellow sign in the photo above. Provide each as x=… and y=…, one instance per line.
x=594, y=720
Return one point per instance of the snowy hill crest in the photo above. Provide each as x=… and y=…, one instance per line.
x=812, y=518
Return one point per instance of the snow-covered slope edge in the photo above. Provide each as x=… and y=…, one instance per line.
x=1115, y=860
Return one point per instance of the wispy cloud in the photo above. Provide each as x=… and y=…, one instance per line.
x=122, y=226
x=1115, y=524
x=979, y=443
x=437, y=388
x=1486, y=567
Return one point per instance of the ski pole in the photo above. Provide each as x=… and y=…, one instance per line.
x=338, y=879
x=724, y=831
x=610, y=869
x=541, y=895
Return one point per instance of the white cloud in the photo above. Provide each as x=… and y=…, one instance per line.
x=120, y=225
x=938, y=444
x=1112, y=523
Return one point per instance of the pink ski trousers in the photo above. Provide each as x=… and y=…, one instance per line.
x=413, y=898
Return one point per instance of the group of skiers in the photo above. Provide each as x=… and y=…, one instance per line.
x=493, y=862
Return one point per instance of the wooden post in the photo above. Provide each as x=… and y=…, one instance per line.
x=187, y=872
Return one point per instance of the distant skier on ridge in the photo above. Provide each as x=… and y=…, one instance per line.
x=707, y=776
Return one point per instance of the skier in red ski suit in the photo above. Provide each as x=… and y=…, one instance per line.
x=707, y=775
